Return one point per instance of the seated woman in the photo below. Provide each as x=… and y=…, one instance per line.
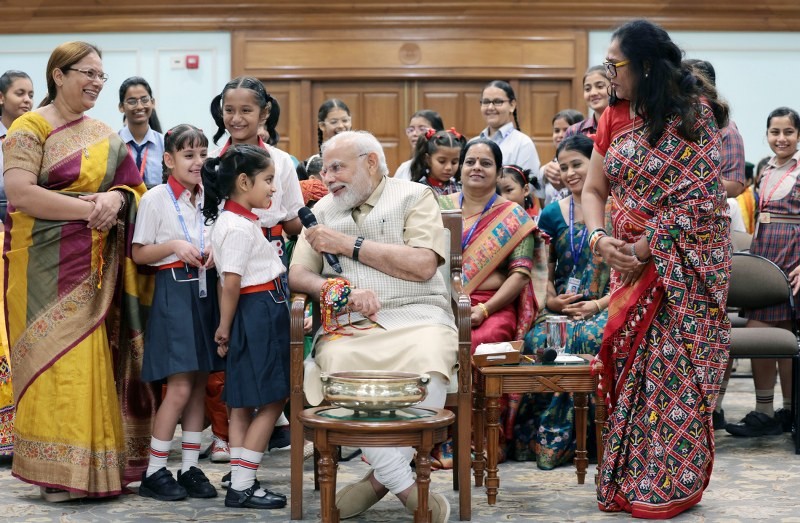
x=578, y=287
x=497, y=248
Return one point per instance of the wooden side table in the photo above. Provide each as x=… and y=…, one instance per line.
x=331, y=427
x=492, y=382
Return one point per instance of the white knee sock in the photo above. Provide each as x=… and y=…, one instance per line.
x=236, y=453
x=190, y=447
x=159, y=453
x=245, y=476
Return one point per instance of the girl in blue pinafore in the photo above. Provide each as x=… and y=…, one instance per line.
x=253, y=331
x=179, y=337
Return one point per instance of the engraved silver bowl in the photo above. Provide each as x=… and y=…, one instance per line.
x=374, y=390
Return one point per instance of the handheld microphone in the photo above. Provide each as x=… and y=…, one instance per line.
x=308, y=220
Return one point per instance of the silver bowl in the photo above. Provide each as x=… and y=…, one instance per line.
x=374, y=390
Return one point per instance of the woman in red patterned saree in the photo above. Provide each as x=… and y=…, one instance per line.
x=666, y=343
x=72, y=293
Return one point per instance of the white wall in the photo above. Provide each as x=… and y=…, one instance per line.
x=756, y=72
x=182, y=95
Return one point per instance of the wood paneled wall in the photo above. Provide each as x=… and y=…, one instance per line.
x=386, y=75
x=389, y=58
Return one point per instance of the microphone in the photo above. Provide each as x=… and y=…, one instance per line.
x=309, y=220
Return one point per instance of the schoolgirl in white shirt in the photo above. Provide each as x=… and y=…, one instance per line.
x=253, y=331
x=179, y=346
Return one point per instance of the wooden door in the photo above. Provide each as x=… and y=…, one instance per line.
x=538, y=102
x=378, y=107
x=458, y=103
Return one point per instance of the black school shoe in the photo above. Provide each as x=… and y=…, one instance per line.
x=784, y=416
x=247, y=499
x=196, y=483
x=755, y=424
x=161, y=486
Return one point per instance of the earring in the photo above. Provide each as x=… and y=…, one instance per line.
x=646, y=75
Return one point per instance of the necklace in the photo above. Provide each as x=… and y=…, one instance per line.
x=68, y=125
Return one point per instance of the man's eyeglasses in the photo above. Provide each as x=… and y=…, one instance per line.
x=497, y=102
x=133, y=102
x=336, y=167
x=421, y=129
x=611, y=67
x=91, y=74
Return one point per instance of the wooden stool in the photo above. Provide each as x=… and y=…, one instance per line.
x=331, y=427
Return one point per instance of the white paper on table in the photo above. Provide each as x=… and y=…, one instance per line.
x=494, y=348
x=568, y=358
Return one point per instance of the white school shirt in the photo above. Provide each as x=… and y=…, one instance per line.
x=404, y=171
x=241, y=248
x=288, y=197
x=517, y=147
x=157, y=221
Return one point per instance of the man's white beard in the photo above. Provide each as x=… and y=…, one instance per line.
x=355, y=193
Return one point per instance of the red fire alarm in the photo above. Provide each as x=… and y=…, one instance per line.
x=192, y=61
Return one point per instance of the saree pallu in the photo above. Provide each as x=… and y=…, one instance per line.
x=666, y=343
x=75, y=307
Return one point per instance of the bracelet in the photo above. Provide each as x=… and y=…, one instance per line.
x=595, y=237
x=595, y=248
x=123, y=201
x=641, y=261
x=357, y=247
x=633, y=250
x=597, y=304
x=485, y=310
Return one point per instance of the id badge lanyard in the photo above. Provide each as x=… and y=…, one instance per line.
x=201, y=271
x=574, y=283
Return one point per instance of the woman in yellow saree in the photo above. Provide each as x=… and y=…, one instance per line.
x=72, y=294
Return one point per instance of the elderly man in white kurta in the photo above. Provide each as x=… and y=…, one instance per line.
x=388, y=236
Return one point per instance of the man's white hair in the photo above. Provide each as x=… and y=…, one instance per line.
x=364, y=142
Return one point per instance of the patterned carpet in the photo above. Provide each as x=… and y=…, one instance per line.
x=753, y=480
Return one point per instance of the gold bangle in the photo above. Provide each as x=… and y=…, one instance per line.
x=597, y=304
x=485, y=310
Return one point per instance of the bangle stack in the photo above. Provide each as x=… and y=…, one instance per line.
x=597, y=304
x=633, y=253
x=594, y=238
x=484, y=309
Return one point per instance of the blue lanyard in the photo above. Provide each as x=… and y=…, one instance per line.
x=575, y=253
x=465, y=241
x=183, y=222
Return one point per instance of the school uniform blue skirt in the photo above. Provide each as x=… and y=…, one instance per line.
x=181, y=326
x=257, y=366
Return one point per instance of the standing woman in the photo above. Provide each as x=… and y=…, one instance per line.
x=499, y=110
x=16, y=98
x=142, y=132
x=666, y=343
x=81, y=428
x=333, y=118
x=418, y=125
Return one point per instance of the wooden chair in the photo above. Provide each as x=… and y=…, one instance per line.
x=757, y=282
x=459, y=397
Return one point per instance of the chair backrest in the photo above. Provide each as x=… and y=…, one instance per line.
x=452, y=225
x=757, y=282
x=741, y=241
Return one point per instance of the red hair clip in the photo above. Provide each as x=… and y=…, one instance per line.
x=429, y=133
x=455, y=133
